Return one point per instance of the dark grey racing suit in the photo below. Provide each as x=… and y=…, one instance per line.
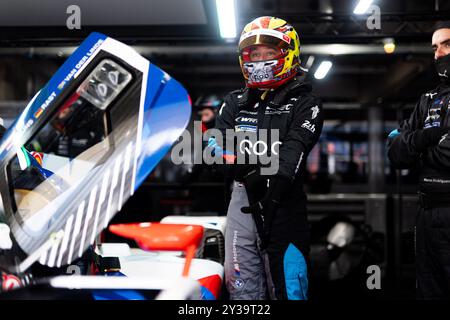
x=277, y=270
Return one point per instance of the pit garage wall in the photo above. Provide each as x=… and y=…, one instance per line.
x=388, y=209
x=22, y=77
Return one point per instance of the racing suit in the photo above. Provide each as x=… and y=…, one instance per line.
x=432, y=230
x=277, y=267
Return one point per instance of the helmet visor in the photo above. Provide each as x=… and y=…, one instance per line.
x=270, y=38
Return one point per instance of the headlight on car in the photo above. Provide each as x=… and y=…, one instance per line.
x=104, y=83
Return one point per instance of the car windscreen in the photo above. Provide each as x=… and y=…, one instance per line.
x=61, y=154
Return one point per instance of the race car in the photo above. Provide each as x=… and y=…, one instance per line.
x=176, y=242
x=173, y=251
x=79, y=150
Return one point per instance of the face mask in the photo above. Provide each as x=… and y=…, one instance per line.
x=260, y=71
x=443, y=67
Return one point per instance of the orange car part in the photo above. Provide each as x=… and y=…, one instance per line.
x=163, y=237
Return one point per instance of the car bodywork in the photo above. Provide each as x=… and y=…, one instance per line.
x=79, y=150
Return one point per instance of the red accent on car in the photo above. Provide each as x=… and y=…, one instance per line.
x=38, y=156
x=213, y=284
x=10, y=282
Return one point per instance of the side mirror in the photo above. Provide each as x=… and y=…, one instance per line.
x=163, y=237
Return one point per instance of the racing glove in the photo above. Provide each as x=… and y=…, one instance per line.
x=269, y=204
x=424, y=138
x=255, y=183
x=241, y=171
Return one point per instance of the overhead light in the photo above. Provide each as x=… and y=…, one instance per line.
x=227, y=18
x=322, y=70
x=389, y=45
x=309, y=62
x=362, y=6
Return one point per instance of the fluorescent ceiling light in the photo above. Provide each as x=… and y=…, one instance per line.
x=322, y=70
x=227, y=18
x=362, y=6
x=309, y=62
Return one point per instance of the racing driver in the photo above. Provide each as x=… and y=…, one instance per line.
x=267, y=234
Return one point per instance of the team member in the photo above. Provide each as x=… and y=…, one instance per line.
x=424, y=139
x=204, y=173
x=267, y=235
